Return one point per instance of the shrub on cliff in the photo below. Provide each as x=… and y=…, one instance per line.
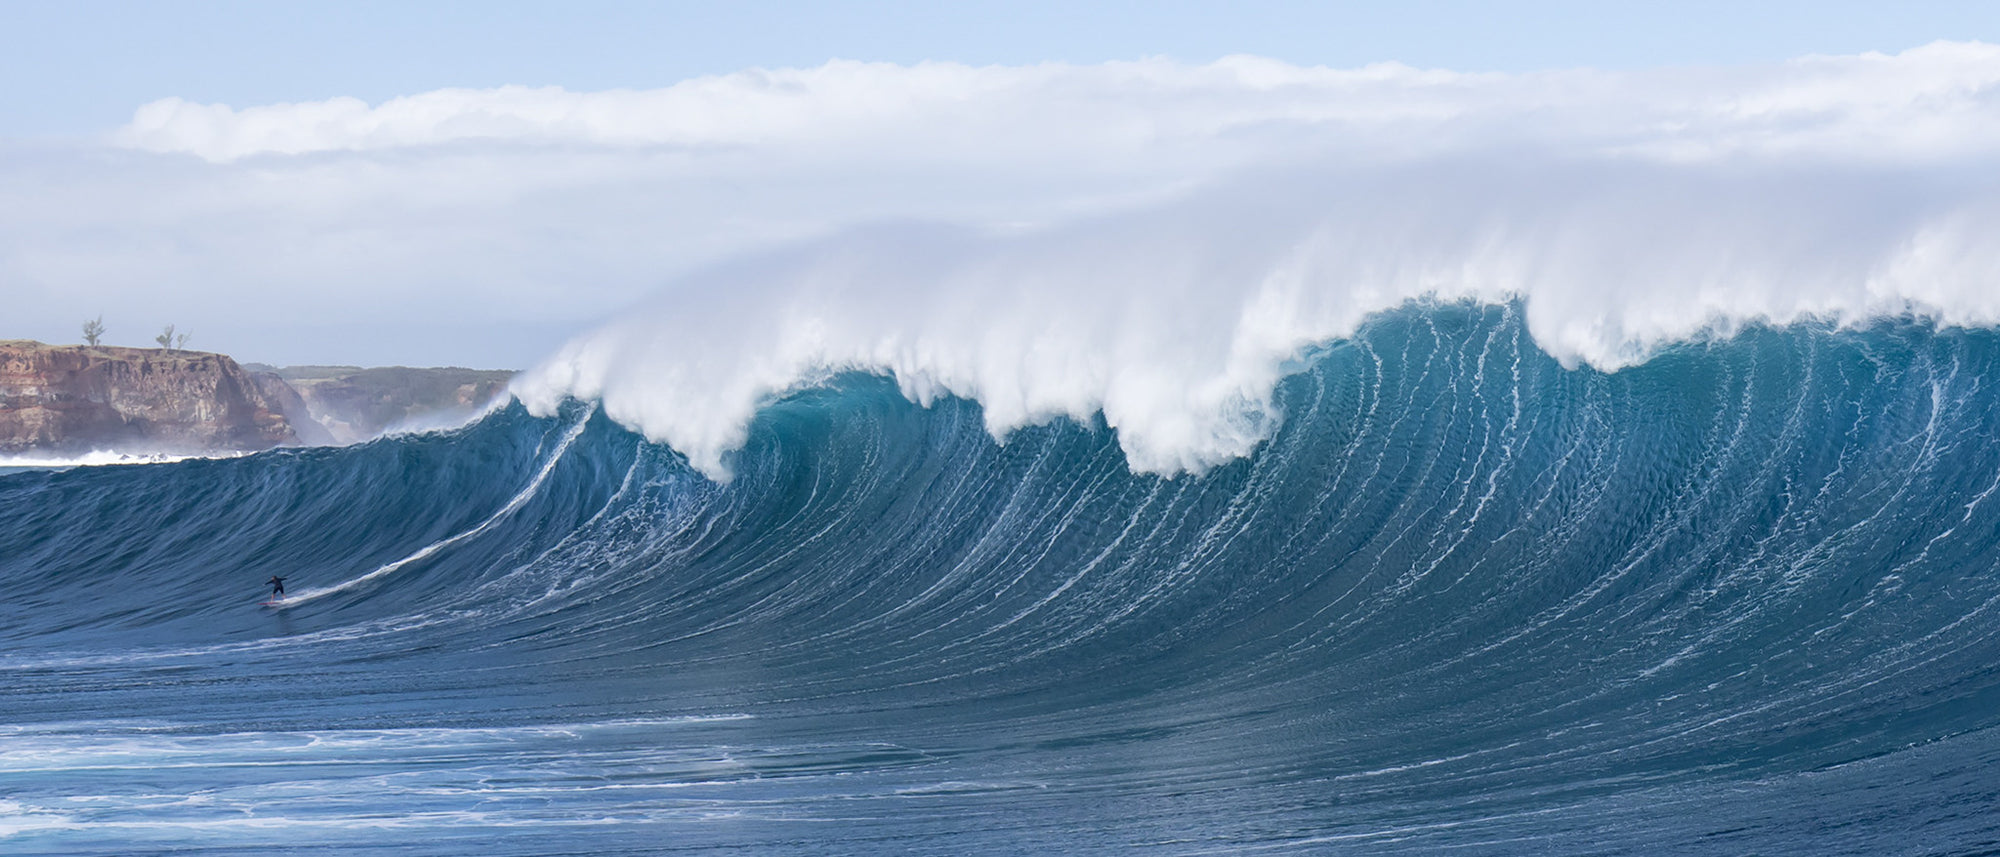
x=170, y=341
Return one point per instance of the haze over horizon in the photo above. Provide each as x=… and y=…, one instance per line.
x=468, y=185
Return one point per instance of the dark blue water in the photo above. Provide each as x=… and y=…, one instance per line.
x=1743, y=598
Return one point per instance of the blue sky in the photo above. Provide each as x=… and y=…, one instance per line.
x=82, y=66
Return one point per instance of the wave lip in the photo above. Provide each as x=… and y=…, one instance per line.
x=1463, y=596
x=1173, y=323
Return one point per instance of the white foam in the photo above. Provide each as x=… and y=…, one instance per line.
x=504, y=218
x=17, y=818
x=1153, y=241
x=102, y=457
x=1175, y=321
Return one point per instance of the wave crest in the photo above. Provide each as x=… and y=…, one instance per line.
x=1173, y=323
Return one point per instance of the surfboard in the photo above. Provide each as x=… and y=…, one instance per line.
x=275, y=602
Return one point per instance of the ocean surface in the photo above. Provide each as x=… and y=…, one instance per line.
x=1739, y=597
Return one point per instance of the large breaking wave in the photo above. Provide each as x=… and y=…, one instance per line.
x=1174, y=322
x=1740, y=597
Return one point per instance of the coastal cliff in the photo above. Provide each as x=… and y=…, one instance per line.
x=354, y=404
x=75, y=398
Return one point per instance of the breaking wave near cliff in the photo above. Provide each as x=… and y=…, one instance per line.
x=1461, y=595
x=1173, y=323
x=1305, y=462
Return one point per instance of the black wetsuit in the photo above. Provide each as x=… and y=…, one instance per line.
x=277, y=586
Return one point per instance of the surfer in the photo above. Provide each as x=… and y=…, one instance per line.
x=277, y=585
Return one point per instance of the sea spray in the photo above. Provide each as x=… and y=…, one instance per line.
x=1174, y=322
x=1463, y=597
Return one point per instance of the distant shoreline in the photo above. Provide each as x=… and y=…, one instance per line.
x=71, y=402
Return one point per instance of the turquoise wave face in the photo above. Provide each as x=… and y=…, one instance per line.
x=1731, y=600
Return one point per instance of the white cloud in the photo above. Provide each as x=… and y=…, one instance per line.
x=486, y=226
x=1927, y=101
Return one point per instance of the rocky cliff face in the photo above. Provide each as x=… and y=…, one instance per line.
x=354, y=404
x=287, y=401
x=79, y=398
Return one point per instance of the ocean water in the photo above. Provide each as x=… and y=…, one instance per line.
x=1742, y=596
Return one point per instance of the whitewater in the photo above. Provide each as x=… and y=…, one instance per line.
x=1630, y=486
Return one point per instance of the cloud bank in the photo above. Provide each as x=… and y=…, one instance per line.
x=1148, y=240
x=1931, y=101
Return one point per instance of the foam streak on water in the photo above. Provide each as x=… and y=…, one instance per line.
x=1741, y=597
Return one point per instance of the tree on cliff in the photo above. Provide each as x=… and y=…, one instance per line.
x=92, y=330
x=169, y=341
